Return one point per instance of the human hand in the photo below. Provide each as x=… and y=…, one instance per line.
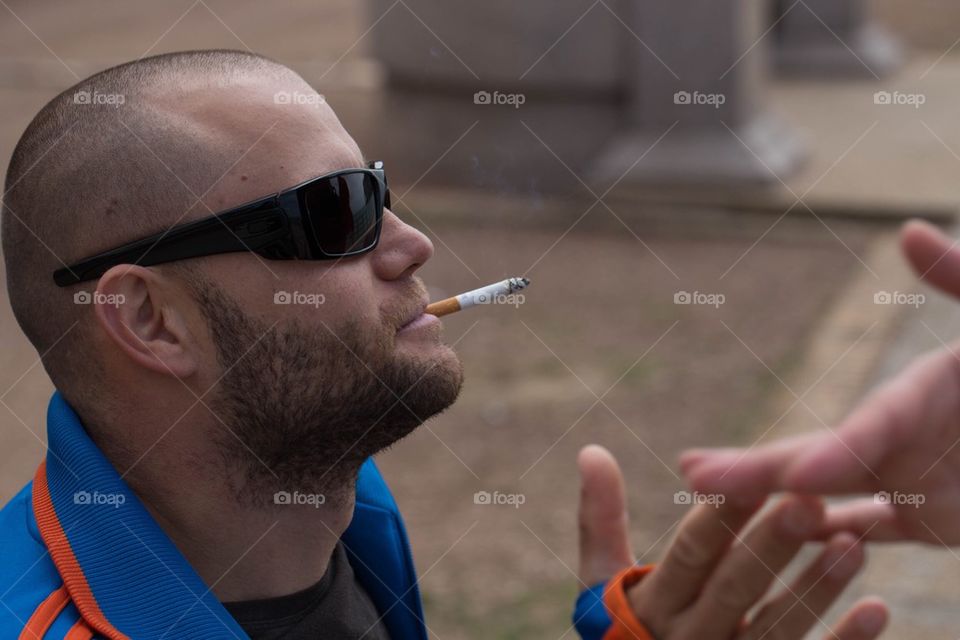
x=902, y=443
x=717, y=569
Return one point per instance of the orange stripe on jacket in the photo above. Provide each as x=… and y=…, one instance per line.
x=44, y=615
x=63, y=557
x=624, y=623
x=79, y=631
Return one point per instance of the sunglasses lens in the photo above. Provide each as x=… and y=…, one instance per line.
x=343, y=212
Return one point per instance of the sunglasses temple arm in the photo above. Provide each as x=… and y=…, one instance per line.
x=243, y=230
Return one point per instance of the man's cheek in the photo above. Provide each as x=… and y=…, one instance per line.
x=349, y=321
x=311, y=303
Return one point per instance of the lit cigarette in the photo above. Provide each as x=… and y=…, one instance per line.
x=483, y=295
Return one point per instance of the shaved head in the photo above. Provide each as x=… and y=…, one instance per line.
x=275, y=396
x=216, y=384
x=128, y=152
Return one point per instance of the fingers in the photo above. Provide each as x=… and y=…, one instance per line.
x=849, y=459
x=604, y=535
x=743, y=474
x=845, y=460
x=864, y=621
x=795, y=611
x=934, y=256
x=864, y=518
x=905, y=417
x=702, y=539
x=751, y=565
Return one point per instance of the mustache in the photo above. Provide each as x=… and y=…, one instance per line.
x=408, y=304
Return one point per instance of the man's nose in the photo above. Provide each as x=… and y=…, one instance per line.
x=402, y=249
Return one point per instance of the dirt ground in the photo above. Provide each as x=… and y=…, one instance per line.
x=599, y=320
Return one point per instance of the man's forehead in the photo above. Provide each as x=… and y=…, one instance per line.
x=311, y=137
x=303, y=152
x=261, y=174
x=252, y=114
x=297, y=142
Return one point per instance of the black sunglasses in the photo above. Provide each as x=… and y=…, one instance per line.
x=336, y=215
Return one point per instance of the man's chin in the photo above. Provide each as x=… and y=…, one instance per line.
x=429, y=385
x=432, y=359
x=426, y=342
x=439, y=374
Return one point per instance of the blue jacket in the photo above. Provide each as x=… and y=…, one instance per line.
x=81, y=556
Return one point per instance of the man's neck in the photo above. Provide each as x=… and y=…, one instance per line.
x=242, y=551
x=245, y=554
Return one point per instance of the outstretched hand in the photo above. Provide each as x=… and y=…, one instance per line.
x=902, y=443
x=717, y=569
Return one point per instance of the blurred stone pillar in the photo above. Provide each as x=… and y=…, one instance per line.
x=538, y=46
x=566, y=58
x=832, y=38
x=593, y=93
x=697, y=113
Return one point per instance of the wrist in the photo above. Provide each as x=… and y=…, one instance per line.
x=624, y=622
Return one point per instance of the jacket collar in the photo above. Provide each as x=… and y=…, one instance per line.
x=379, y=551
x=113, y=557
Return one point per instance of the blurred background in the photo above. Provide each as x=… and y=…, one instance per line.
x=705, y=194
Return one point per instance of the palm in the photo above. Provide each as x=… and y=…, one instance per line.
x=917, y=433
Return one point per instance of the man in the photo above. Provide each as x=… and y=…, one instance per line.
x=904, y=438
x=231, y=316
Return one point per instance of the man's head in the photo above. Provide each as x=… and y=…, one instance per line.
x=294, y=395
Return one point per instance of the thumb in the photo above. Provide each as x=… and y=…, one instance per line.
x=604, y=540
x=934, y=256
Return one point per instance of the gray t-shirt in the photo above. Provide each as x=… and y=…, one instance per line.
x=335, y=608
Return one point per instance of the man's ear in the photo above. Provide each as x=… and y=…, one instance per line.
x=136, y=309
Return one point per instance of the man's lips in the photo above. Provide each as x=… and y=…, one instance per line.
x=423, y=320
x=414, y=315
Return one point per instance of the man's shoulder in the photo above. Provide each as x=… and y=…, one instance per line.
x=27, y=573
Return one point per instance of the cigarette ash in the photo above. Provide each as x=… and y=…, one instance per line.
x=516, y=284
